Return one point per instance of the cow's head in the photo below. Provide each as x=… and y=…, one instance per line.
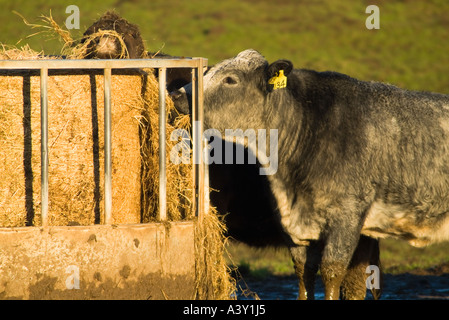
x=112, y=37
x=236, y=92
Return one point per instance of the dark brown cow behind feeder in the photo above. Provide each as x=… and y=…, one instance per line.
x=102, y=44
x=113, y=37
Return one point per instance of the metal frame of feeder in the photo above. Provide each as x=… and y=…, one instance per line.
x=197, y=64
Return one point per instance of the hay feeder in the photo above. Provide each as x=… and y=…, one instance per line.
x=107, y=252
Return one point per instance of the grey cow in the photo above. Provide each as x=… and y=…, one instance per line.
x=354, y=157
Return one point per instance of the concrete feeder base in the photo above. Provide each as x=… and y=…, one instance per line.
x=144, y=261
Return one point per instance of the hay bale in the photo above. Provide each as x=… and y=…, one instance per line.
x=75, y=113
x=76, y=149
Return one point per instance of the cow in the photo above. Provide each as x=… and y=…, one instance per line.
x=108, y=46
x=243, y=196
x=354, y=157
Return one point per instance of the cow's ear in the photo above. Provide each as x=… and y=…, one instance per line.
x=273, y=69
x=277, y=73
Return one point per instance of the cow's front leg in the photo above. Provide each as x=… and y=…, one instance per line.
x=332, y=274
x=306, y=260
x=354, y=284
x=340, y=243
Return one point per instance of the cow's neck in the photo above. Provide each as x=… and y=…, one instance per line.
x=294, y=135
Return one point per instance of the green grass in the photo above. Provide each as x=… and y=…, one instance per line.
x=260, y=263
x=410, y=50
x=396, y=257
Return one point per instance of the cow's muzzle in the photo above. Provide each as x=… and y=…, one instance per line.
x=182, y=101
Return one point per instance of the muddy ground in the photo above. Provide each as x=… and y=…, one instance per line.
x=420, y=284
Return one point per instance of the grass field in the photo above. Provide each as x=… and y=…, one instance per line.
x=396, y=257
x=409, y=50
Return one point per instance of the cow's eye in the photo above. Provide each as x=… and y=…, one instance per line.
x=230, y=80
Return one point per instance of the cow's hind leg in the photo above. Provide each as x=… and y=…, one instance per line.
x=306, y=260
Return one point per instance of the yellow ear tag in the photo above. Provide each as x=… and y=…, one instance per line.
x=279, y=81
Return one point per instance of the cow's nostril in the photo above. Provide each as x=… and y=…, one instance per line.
x=175, y=94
